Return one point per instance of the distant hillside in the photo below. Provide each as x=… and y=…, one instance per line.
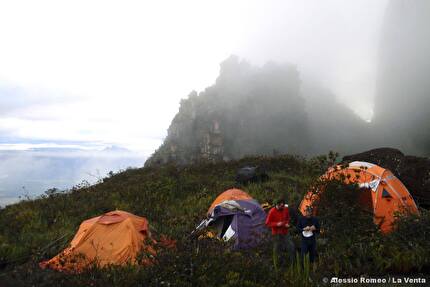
x=259, y=111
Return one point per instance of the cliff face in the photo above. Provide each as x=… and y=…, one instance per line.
x=259, y=111
x=248, y=110
x=403, y=96
x=193, y=135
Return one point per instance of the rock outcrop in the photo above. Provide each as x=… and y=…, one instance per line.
x=259, y=111
x=248, y=111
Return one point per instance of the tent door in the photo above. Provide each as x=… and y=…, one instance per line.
x=226, y=225
x=228, y=234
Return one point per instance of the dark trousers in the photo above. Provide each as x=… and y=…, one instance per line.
x=283, y=243
x=309, y=246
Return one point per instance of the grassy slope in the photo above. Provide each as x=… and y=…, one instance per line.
x=175, y=200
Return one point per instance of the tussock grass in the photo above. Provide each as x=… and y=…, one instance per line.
x=175, y=199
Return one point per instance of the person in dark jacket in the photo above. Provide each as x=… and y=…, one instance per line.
x=279, y=220
x=309, y=227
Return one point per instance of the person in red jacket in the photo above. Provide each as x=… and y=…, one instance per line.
x=279, y=220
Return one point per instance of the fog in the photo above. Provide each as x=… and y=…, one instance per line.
x=371, y=57
x=28, y=173
x=403, y=92
x=316, y=100
x=127, y=63
x=331, y=75
x=334, y=42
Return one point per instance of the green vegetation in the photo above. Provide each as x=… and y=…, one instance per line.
x=174, y=199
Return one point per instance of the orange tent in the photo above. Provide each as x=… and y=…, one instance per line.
x=116, y=237
x=388, y=194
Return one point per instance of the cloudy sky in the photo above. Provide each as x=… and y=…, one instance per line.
x=96, y=73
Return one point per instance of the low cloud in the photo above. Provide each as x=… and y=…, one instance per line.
x=15, y=98
x=31, y=172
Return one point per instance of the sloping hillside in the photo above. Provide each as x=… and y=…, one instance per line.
x=174, y=200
